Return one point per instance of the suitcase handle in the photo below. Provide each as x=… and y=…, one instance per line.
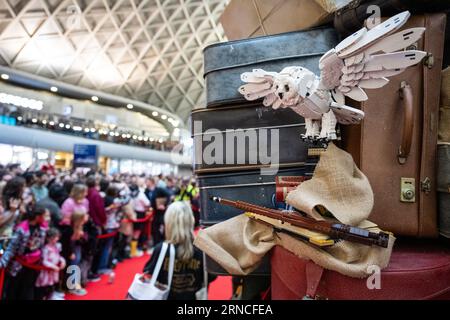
x=406, y=96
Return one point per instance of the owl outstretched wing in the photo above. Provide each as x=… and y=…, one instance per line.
x=367, y=58
x=260, y=84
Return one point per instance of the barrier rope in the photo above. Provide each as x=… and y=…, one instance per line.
x=37, y=267
x=142, y=220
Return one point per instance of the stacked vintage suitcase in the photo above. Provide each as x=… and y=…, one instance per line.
x=405, y=187
x=240, y=168
x=405, y=184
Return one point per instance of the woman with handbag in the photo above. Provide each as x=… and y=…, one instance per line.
x=182, y=273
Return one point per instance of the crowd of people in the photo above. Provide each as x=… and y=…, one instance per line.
x=54, y=222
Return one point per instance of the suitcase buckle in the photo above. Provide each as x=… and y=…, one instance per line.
x=429, y=61
x=425, y=185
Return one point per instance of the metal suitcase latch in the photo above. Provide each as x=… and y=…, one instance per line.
x=407, y=190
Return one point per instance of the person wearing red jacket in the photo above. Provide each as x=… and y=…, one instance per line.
x=97, y=214
x=96, y=203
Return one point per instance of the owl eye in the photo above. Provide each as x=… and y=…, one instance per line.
x=276, y=87
x=286, y=87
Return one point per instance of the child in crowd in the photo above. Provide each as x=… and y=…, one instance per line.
x=24, y=249
x=51, y=258
x=73, y=238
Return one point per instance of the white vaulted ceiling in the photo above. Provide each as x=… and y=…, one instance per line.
x=148, y=50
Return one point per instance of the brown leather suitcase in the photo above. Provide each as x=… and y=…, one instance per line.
x=418, y=270
x=395, y=145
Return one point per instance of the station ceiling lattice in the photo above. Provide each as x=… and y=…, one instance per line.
x=148, y=50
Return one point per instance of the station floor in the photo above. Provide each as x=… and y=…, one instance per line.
x=220, y=289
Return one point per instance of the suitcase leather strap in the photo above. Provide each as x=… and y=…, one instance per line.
x=313, y=275
x=406, y=96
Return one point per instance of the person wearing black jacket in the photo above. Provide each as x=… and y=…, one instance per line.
x=159, y=199
x=188, y=276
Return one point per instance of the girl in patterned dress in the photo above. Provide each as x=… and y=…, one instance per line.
x=51, y=258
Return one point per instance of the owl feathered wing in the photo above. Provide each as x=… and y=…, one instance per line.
x=367, y=58
x=260, y=85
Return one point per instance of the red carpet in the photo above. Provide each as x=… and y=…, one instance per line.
x=220, y=289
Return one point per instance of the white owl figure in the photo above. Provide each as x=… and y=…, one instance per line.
x=361, y=61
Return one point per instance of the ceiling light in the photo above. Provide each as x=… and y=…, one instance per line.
x=152, y=139
x=44, y=121
x=160, y=140
x=77, y=128
x=111, y=134
x=155, y=114
x=61, y=125
x=116, y=134
x=86, y=130
x=146, y=139
x=164, y=117
x=124, y=136
x=67, y=126
x=93, y=130
x=5, y=76
x=52, y=123
x=19, y=118
x=135, y=137
x=34, y=120
x=53, y=89
x=128, y=136
x=94, y=98
x=130, y=106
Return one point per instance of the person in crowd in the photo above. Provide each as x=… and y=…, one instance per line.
x=15, y=169
x=140, y=204
x=96, y=223
x=73, y=238
x=39, y=188
x=188, y=275
x=190, y=193
x=24, y=248
x=68, y=184
x=104, y=184
x=76, y=201
x=53, y=202
x=13, y=208
x=159, y=199
x=113, y=206
x=48, y=279
x=96, y=203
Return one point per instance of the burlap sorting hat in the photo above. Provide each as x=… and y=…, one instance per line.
x=337, y=185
